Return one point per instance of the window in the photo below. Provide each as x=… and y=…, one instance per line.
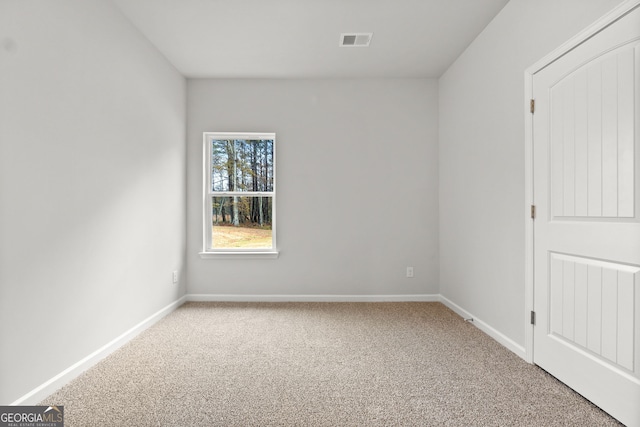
x=239, y=194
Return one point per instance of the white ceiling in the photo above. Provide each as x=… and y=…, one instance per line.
x=299, y=38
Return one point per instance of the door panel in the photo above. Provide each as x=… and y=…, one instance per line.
x=587, y=232
x=592, y=138
x=592, y=307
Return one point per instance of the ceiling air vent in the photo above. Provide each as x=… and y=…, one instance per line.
x=355, y=39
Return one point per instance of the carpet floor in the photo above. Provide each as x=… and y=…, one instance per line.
x=318, y=364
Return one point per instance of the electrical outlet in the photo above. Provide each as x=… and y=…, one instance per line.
x=175, y=276
x=409, y=271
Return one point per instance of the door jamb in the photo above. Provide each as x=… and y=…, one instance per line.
x=615, y=14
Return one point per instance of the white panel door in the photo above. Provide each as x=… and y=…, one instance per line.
x=586, y=156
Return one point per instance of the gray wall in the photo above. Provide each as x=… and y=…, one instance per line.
x=482, y=206
x=92, y=184
x=357, y=168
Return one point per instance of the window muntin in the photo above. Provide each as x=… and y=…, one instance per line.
x=239, y=196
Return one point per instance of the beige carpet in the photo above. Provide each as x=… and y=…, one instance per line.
x=318, y=364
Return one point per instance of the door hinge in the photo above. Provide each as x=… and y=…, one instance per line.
x=533, y=317
x=533, y=211
x=532, y=106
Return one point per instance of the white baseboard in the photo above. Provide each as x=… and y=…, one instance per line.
x=484, y=327
x=311, y=298
x=36, y=395
x=49, y=387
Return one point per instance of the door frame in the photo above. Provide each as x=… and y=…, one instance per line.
x=614, y=15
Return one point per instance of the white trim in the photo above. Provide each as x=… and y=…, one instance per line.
x=240, y=255
x=240, y=135
x=602, y=23
x=312, y=298
x=242, y=194
x=42, y=391
x=529, y=223
x=486, y=328
x=64, y=377
x=207, y=250
x=206, y=237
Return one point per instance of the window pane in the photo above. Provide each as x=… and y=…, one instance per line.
x=241, y=222
x=241, y=165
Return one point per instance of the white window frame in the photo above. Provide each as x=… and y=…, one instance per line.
x=207, y=250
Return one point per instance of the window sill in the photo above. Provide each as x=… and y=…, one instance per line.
x=240, y=255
